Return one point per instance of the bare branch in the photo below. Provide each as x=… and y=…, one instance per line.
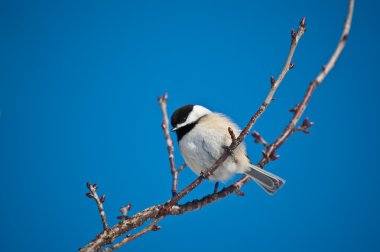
x=158, y=212
x=99, y=202
x=211, y=198
x=162, y=100
x=300, y=108
x=107, y=237
x=128, y=238
x=259, y=139
x=236, y=141
x=288, y=65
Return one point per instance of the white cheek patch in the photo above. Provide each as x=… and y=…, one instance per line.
x=197, y=112
x=181, y=125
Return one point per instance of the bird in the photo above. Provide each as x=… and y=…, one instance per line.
x=203, y=136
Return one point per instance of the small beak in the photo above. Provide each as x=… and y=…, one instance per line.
x=174, y=129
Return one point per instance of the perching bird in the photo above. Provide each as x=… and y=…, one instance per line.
x=203, y=136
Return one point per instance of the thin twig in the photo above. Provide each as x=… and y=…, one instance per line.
x=183, y=166
x=259, y=139
x=299, y=110
x=162, y=100
x=99, y=202
x=151, y=227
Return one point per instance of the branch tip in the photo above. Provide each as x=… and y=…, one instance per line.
x=259, y=139
x=163, y=99
x=303, y=22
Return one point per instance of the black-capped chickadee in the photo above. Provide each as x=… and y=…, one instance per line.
x=202, y=137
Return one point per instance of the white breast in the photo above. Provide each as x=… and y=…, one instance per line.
x=203, y=145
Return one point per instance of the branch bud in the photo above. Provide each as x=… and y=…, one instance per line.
x=306, y=123
x=272, y=81
x=274, y=157
x=240, y=193
x=256, y=136
x=156, y=228
x=232, y=134
x=303, y=22
x=103, y=198
x=90, y=195
x=163, y=125
x=162, y=99
x=293, y=33
x=295, y=109
x=124, y=210
x=129, y=206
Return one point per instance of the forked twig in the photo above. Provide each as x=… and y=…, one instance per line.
x=99, y=202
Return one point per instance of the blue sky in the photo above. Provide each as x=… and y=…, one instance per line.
x=79, y=82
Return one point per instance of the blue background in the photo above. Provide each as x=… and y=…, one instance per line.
x=79, y=82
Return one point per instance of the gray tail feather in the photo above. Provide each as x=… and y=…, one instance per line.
x=268, y=181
